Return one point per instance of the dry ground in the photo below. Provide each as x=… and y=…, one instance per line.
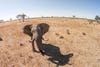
x=70, y=43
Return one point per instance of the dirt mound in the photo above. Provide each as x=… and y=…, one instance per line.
x=69, y=43
x=1, y=39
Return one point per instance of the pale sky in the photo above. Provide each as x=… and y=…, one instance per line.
x=37, y=8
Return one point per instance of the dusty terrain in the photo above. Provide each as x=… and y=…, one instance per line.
x=70, y=43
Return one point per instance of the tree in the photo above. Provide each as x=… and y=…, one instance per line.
x=74, y=16
x=21, y=17
x=1, y=21
x=97, y=18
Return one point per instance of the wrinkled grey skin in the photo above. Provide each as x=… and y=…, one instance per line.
x=36, y=31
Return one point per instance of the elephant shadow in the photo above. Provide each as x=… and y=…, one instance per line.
x=55, y=55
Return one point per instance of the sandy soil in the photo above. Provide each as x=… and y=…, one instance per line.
x=70, y=43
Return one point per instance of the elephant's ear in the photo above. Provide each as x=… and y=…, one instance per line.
x=27, y=30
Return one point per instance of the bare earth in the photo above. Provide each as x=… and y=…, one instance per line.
x=69, y=42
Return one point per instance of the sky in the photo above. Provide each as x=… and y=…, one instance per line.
x=37, y=8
